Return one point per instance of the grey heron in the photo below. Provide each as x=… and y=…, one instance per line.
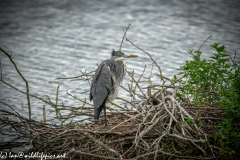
x=105, y=83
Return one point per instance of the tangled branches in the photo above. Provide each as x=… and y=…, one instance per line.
x=151, y=124
x=165, y=129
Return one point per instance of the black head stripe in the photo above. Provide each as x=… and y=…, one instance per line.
x=113, y=52
x=117, y=53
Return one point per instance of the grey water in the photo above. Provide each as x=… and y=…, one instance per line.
x=50, y=39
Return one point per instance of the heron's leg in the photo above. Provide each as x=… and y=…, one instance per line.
x=105, y=116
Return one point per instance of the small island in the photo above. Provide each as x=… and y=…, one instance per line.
x=193, y=115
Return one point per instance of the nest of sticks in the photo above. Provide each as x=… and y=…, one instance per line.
x=157, y=127
x=151, y=125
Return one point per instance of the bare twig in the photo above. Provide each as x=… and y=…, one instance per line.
x=1, y=72
x=125, y=32
x=44, y=114
x=73, y=151
x=56, y=103
x=26, y=82
x=204, y=42
x=103, y=145
x=160, y=71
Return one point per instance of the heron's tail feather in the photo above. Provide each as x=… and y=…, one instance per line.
x=98, y=110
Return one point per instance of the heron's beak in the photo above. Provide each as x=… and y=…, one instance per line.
x=130, y=56
x=122, y=58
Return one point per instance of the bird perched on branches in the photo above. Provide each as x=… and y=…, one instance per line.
x=105, y=83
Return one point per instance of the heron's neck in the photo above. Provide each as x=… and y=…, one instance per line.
x=120, y=70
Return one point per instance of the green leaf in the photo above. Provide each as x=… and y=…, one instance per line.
x=215, y=45
x=221, y=49
x=225, y=55
x=175, y=77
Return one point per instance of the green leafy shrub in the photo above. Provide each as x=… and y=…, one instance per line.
x=214, y=82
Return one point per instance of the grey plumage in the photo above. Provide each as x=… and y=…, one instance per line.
x=106, y=81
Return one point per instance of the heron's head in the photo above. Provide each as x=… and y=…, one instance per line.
x=119, y=56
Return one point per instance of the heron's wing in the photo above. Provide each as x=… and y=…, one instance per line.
x=101, y=87
x=102, y=84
